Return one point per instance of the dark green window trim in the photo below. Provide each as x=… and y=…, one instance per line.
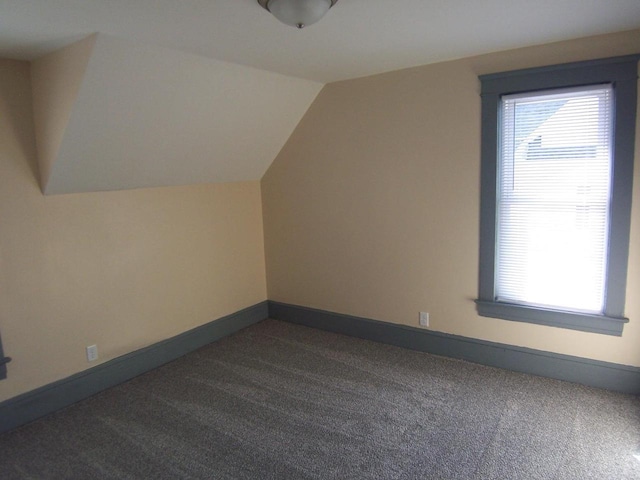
x=622, y=73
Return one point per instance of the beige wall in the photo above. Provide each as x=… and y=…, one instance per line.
x=119, y=269
x=372, y=207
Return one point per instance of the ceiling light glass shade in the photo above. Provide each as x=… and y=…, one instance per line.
x=298, y=13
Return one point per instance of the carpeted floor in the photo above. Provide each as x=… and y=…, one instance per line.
x=282, y=401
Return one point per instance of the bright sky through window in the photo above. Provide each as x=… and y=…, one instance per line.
x=553, y=198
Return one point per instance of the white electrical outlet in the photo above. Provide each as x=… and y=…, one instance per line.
x=92, y=353
x=424, y=319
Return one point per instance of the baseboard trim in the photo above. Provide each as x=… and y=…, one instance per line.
x=594, y=373
x=49, y=398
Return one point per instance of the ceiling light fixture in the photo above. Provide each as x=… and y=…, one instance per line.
x=298, y=13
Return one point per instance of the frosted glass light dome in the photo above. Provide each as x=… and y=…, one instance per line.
x=298, y=13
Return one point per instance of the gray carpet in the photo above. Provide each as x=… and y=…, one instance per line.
x=283, y=401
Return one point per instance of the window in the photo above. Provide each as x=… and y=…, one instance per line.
x=557, y=166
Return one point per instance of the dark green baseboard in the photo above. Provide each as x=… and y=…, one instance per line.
x=611, y=376
x=44, y=400
x=49, y=398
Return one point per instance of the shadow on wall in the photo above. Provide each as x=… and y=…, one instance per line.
x=20, y=126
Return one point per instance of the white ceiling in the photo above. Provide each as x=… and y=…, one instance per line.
x=356, y=38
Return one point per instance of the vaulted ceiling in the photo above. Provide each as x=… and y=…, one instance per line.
x=140, y=93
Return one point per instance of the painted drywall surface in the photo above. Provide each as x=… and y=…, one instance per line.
x=55, y=83
x=147, y=116
x=122, y=270
x=372, y=207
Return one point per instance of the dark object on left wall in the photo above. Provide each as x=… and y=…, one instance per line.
x=3, y=362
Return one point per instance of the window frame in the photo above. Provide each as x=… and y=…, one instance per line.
x=622, y=74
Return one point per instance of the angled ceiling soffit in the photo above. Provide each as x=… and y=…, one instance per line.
x=55, y=83
x=115, y=115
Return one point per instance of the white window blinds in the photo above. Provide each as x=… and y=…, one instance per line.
x=554, y=175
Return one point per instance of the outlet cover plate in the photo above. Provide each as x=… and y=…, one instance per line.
x=92, y=353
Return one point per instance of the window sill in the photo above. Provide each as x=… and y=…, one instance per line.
x=555, y=318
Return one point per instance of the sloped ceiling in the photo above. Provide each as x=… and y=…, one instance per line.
x=166, y=106
x=113, y=115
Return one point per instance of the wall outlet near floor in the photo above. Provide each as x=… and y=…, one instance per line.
x=92, y=353
x=424, y=319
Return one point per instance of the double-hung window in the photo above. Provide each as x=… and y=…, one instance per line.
x=557, y=166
